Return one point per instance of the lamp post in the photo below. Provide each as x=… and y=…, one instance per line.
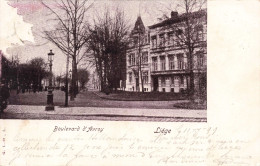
x=70, y=72
x=50, y=105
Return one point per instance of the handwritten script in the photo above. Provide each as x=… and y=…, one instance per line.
x=74, y=145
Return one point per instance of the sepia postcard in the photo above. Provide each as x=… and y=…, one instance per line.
x=88, y=82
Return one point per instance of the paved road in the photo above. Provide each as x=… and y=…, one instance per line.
x=88, y=106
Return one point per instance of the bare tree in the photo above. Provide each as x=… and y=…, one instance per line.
x=71, y=31
x=108, y=44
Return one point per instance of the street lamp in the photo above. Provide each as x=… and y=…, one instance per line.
x=50, y=105
x=70, y=73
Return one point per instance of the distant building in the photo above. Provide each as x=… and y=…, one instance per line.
x=164, y=58
x=94, y=82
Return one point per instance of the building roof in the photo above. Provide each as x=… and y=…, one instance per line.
x=139, y=26
x=175, y=18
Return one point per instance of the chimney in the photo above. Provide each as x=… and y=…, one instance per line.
x=174, y=14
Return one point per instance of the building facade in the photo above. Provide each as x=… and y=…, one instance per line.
x=94, y=82
x=169, y=67
x=137, y=59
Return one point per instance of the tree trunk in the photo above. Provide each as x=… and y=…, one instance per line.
x=74, y=79
x=141, y=75
x=191, y=90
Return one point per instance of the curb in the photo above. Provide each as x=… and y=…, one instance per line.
x=108, y=98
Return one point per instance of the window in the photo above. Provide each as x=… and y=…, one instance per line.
x=199, y=30
x=145, y=57
x=200, y=35
x=176, y=81
x=135, y=41
x=145, y=77
x=144, y=39
x=171, y=62
x=148, y=38
x=129, y=59
x=185, y=66
x=182, y=80
x=180, y=61
x=130, y=77
x=162, y=40
x=179, y=33
x=163, y=81
x=154, y=63
x=170, y=39
x=133, y=59
x=137, y=59
x=131, y=44
x=162, y=59
x=200, y=59
x=154, y=42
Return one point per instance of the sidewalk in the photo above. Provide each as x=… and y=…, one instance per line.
x=112, y=112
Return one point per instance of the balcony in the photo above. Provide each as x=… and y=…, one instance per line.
x=182, y=68
x=168, y=72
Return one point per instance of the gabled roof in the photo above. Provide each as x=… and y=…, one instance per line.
x=139, y=26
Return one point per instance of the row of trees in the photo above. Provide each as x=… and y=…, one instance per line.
x=26, y=76
x=29, y=75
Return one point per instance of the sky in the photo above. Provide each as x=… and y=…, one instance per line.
x=28, y=18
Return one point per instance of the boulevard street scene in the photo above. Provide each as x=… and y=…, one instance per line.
x=105, y=60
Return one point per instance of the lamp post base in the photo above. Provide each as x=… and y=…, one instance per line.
x=49, y=108
x=50, y=105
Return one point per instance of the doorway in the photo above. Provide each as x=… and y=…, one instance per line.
x=155, y=84
x=137, y=84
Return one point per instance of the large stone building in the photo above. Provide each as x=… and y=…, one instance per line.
x=137, y=65
x=163, y=49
